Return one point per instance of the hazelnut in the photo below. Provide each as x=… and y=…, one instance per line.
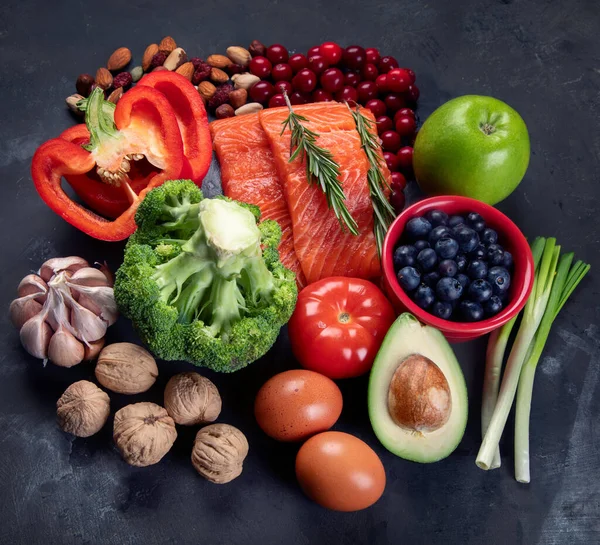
x=84, y=84
x=224, y=111
x=83, y=409
x=219, y=452
x=257, y=49
x=126, y=368
x=143, y=433
x=238, y=98
x=192, y=399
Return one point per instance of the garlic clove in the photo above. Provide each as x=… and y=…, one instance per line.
x=107, y=272
x=93, y=349
x=23, y=309
x=31, y=284
x=88, y=276
x=65, y=350
x=35, y=336
x=100, y=300
x=58, y=264
x=88, y=327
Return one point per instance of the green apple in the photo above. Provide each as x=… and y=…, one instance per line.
x=475, y=146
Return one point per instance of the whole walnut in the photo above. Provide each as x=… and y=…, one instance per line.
x=83, y=409
x=219, y=452
x=126, y=368
x=192, y=399
x=143, y=433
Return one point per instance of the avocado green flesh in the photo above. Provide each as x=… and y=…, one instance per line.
x=407, y=336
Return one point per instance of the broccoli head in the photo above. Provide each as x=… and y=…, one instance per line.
x=201, y=279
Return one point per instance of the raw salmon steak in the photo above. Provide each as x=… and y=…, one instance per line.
x=248, y=174
x=323, y=248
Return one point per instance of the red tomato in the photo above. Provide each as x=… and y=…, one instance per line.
x=338, y=326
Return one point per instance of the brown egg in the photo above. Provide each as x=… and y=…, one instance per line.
x=294, y=405
x=340, y=472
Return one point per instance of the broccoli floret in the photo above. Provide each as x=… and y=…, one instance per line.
x=202, y=280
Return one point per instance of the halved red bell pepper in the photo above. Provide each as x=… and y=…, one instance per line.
x=191, y=116
x=144, y=127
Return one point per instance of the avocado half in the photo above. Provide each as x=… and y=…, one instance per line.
x=417, y=393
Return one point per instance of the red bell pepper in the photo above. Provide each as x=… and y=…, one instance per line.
x=144, y=127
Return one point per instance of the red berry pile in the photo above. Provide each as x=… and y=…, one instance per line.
x=354, y=74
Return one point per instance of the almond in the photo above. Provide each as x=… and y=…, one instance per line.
x=151, y=50
x=186, y=70
x=175, y=59
x=238, y=98
x=104, y=78
x=239, y=55
x=218, y=61
x=250, y=108
x=207, y=90
x=119, y=59
x=115, y=95
x=244, y=81
x=167, y=44
x=217, y=75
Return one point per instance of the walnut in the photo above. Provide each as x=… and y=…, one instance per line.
x=143, y=433
x=219, y=452
x=83, y=409
x=126, y=368
x=192, y=399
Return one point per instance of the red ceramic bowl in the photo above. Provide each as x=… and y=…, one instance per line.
x=509, y=236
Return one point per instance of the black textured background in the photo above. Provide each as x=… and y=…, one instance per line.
x=541, y=56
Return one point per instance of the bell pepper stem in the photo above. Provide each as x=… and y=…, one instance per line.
x=99, y=120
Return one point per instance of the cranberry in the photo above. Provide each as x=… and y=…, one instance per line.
x=406, y=125
x=282, y=72
x=332, y=80
x=391, y=160
x=412, y=75
x=405, y=157
x=297, y=98
x=384, y=123
x=386, y=64
x=369, y=72
x=276, y=101
x=354, y=57
x=317, y=63
x=403, y=112
x=398, y=80
x=391, y=141
x=398, y=181
x=367, y=90
x=397, y=200
x=298, y=62
x=316, y=50
x=284, y=87
x=413, y=93
x=261, y=91
x=277, y=54
x=372, y=55
x=382, y=83
x=332, y=52
x=347, y=94
x=377, y=106
x=394, y=102
x=260, y=67
x=320, y=95
x=304, y=81
x=351, y=78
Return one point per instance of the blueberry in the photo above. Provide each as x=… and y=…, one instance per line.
x=448, y=289
x=431, y=279
x=477, y=269
x=417, y=228
x=480, y=252
x=455, y=221
x=404, y=256
x=427, y=259
x=409, y=278
x=437, y=217
x=424, y=296
x=447, y=267
x=442, y=310
x=479, y=290
x=467, y=238
x=507, y=260
x=495, y=253
x=464, y=280
x=471, y=311
x=421, y=245
x=499, y=278
x=493, y=305
x=461, y=262
x=475, y=222
x=489, y=236
x=439, y=232
x=446, y=248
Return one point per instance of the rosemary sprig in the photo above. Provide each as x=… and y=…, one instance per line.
x=321, y=167
x=383, y=212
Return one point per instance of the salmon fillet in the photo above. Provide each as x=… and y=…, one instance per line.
x=248, y=174
x=322, y=248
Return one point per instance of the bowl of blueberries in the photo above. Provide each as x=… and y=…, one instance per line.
x=457, y=264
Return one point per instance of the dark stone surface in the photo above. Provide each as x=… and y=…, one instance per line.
x=541, y=56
